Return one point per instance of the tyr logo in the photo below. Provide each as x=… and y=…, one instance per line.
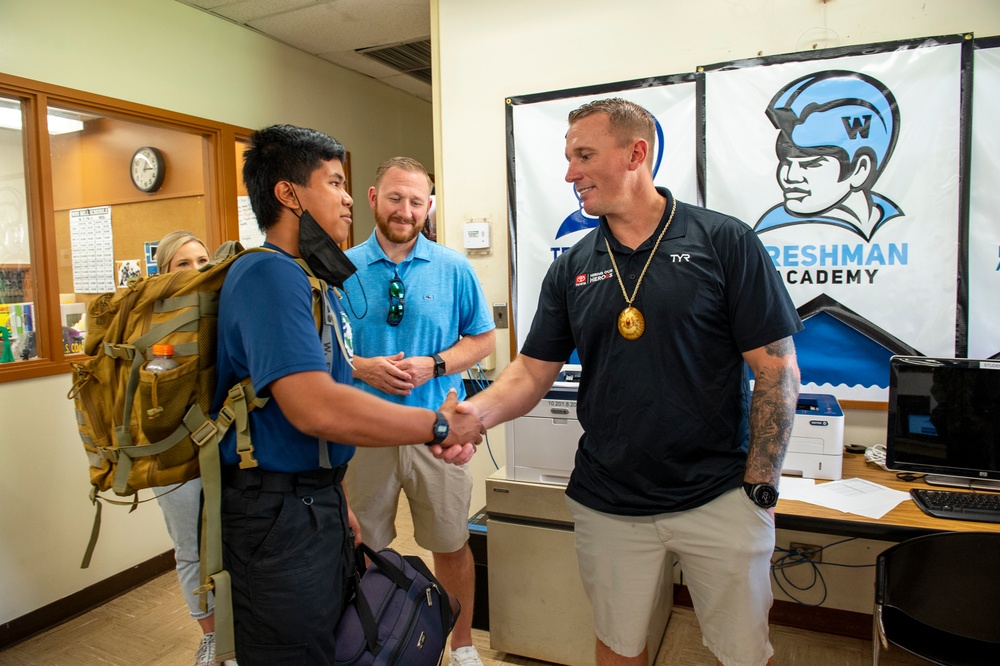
x=680, y=257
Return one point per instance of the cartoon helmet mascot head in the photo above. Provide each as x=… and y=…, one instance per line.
x=840, y=114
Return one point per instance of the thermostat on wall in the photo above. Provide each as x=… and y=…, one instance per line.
x=477, y=234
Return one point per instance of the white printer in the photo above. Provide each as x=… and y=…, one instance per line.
x=816, y=447
x=541, y=445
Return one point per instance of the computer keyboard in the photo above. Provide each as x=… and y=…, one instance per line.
x=982, y=507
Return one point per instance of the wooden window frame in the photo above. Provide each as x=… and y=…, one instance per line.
x=222, y=220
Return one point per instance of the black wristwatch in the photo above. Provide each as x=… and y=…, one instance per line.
x=763, y=495
x=441, y=429
x=439, y=370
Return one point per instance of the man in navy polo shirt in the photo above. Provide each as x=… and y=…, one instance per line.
x=679, y=459
x=285, y=523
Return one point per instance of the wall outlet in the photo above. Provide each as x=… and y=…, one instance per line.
x=807, y=551
x=500, y=315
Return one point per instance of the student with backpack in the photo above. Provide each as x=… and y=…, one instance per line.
x=286, y=527
x=181, y=502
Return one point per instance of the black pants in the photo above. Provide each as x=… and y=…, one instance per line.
x=286, y=546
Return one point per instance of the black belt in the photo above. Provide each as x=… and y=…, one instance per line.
x=281, y=482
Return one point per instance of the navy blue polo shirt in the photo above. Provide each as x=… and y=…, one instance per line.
x=666, y=417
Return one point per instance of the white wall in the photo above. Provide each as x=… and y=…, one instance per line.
x=165, y=54
x=493, y=50
x=172, y=56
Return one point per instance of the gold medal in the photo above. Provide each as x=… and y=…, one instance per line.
x=631, y=323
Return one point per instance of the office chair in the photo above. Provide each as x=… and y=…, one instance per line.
x=938, y=597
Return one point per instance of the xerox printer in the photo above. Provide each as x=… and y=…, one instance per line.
x=541, y=445
x=816, y=447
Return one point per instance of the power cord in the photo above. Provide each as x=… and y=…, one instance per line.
x=795, y=558
x=876, y=456
x=480, y=382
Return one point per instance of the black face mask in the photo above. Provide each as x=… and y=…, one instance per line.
x=324, y=257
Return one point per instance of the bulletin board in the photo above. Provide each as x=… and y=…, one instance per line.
x=134, y=225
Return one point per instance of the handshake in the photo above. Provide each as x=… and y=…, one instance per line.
x=465, y=431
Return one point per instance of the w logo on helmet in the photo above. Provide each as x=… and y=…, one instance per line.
x=855, y=126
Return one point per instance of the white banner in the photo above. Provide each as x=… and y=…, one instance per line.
x=548, y=217
x=984, y=209
x=848, y=169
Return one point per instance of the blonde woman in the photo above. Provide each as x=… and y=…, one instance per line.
x=180, y=251
x=181, y=504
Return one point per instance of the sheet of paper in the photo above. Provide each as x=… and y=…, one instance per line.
x=794, y=487
x=92, y=245
x=858, y=496
x=250, y=233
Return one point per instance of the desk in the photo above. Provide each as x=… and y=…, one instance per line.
x=904, y=522
x=537, y=606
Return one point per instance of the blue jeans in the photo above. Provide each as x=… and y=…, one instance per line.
x=289, y=557
x=181, y=512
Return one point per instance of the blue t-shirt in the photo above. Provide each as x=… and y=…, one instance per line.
x=444, y=300
x=267, y=331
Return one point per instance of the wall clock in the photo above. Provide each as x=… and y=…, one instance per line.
x=147, y=169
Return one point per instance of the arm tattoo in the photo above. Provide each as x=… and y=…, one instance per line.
x=772, y=410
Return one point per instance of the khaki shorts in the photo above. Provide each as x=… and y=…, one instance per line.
x=439, y=495
x=724, y=551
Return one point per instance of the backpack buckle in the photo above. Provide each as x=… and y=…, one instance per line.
x=226, y=417
x=121, y=351
x=204, y=433
x=247, y=461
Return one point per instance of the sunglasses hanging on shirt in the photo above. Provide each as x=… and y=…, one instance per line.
x=397, y=300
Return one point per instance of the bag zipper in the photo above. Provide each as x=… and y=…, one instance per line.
x=405, y=639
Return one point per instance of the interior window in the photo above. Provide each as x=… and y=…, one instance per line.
x=17, y=295
x=117, y=187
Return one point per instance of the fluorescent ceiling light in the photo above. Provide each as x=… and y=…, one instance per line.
x=10, y=118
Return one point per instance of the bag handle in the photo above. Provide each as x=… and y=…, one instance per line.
x=391, y=571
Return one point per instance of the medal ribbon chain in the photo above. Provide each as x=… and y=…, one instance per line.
x=635, y=292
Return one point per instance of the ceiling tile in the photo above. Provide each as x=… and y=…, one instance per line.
x=245, y=11
x=333, y=29
x=205, y=4
x=348, y=24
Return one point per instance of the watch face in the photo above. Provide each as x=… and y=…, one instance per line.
x=147, y=169
x=766, y=495
x=440, y=429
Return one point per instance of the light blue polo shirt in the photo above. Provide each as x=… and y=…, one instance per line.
x=444, y=300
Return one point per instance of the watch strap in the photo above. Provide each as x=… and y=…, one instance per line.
x=440, y=429
x=439, y=365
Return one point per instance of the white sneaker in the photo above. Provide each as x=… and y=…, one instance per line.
x=205, y=656
x=465, y=656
